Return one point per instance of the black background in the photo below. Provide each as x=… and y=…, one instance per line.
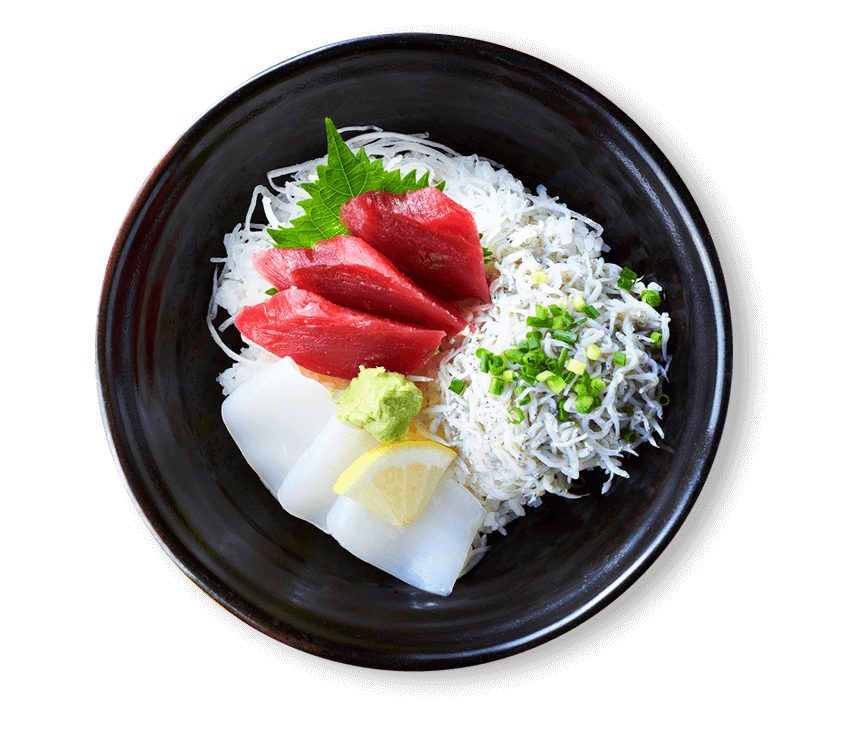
x=694, y=99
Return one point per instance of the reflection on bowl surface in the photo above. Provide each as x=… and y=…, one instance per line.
x=157, y=363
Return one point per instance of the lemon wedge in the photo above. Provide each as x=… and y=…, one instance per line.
x=396, y=480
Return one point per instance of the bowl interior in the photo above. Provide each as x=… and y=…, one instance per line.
x=157, y=362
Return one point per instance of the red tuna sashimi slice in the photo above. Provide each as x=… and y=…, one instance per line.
x=333, y=340
x=427, y=235
x=347, y=271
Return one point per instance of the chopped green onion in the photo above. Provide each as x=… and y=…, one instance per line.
x=539, y=277
x=485, y=362
x=562, y=361
x=483, y=352
x=597, y=385
x=593, y=352
x=577, y=367
x=562, y=320
x=581, y=388
x=523, y=346
x=508, y=375
x=555, y=383
x=272, y=291
x=535, y=322
x=663, y=399
x=542, y=312
x=543, y=376
x=651, y=297
x=657, y=338
x=518, y=413
x=533, y=338
x=630, y=436
x=584, y=404
x=563, y=335
x=496, y=386
x=627, y=279
x=556, y=310
x=498, y=365
x=579, y=303
x=569, y=377
x=591, y=312
x=526, y=398
x=514, y=355
x=527, y=378
x=577, y=323
x=457, y=386
x=619, y=359
x=535, y=358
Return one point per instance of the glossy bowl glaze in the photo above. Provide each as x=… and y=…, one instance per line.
x=157, y=364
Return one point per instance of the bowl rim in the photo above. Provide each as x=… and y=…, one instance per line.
x=523, y=63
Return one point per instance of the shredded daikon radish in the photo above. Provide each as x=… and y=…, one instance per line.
x=507, y=466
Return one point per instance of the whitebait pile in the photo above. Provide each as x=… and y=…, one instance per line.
x=529, y=439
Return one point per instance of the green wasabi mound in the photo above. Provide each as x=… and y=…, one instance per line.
x=380, y=401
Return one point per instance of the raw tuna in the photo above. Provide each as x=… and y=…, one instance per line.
x=333, y=340
x=347, y=271
x=427, y=235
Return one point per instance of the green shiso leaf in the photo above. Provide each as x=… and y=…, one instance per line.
x=345, y=176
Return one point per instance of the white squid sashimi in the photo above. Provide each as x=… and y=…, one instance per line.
x=274, y=417
x=307, y=491
x=429, y=553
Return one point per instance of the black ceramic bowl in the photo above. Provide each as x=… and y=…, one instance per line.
x=557, y=566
